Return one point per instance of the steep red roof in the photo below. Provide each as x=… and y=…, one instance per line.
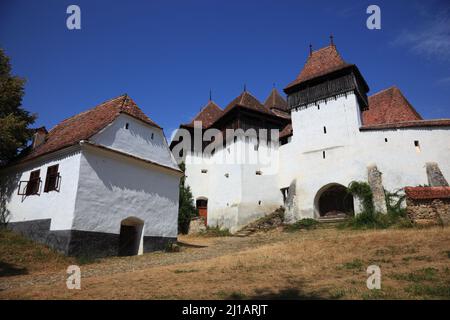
x=319, y=63
x=389, y=106
x=427, y=192
x=275, y=101
x=209, y=113
x=84, y=125
x=246, y=100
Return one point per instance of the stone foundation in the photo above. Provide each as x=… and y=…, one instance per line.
x=197, y=225
x=427, y=211
x=81, y=243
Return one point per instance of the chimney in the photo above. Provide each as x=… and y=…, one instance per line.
x=39, y=137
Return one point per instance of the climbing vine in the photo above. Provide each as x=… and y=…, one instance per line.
x=362, y=191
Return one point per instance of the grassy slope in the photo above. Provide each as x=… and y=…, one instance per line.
x=22, y=256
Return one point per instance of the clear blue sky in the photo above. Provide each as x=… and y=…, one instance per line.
x=168, y=54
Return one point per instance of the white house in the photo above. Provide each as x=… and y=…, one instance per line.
x=331, y=133
x=103, y=182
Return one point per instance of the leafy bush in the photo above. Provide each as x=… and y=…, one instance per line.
x=215, y=232
x=306, y=224
x=186, y=209
x=172, y=247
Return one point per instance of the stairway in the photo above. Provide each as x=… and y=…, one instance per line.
x=268, y=222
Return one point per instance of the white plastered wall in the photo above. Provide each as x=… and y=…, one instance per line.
x=55, y=205
x=115, y=187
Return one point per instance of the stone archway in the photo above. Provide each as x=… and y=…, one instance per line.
x=333, y=200
x=130, y=238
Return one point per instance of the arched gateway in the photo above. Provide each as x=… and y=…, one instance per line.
x=333, y=200
x=130, y=239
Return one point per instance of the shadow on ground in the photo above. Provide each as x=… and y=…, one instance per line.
x=8, y=270
x=290, y=293
x=190, y=245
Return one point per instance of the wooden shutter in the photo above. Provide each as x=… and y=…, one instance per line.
x=51, y=180
x=33, y=183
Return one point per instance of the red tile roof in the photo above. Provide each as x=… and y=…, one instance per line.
x=209, y=113
x=389, y=106
x=275, y=101
x=84, y=125
x=427, y=192
x=319, y=63
x=409, y=124
x=246, y=100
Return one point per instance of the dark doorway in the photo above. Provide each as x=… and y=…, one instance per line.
x=202, y=207
x=335, y=201
x=130, y=237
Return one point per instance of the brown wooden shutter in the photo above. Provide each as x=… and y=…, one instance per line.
x=51, y=180
x=33, y=183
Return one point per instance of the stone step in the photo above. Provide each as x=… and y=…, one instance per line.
x=332, y=220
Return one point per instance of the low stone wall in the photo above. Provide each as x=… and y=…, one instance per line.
x=197, y=225
x=428, y=205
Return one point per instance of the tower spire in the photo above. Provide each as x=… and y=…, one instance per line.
x=310, y=49
x=210, y=95
x=331, y=40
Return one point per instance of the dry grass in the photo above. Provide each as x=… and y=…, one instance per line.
x=315, y=264
x=20, y=256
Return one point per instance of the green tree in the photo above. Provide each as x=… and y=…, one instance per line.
x=186, y=209
x=14, y=120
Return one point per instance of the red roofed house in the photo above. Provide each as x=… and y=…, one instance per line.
x=331, y=133
x=100, y=183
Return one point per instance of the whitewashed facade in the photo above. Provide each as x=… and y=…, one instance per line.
x=123, y=175
x=330, y=145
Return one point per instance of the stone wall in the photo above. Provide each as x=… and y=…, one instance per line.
x=429, y=211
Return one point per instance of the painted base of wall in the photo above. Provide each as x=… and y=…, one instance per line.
x=81, y=243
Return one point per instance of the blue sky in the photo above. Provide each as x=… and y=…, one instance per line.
x=167, y=55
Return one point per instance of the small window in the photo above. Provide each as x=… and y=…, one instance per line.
x=318, y=107
x=259, y=202
x=34, y=183
x=324, y=130
x=385, y=140
x=258, y=172
x=52, y=179
x=152, y=136
x=417, y=145
x=235, y=139
x=127, y=125
x=204, y=171
x=227, y=175
x=323, y=154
